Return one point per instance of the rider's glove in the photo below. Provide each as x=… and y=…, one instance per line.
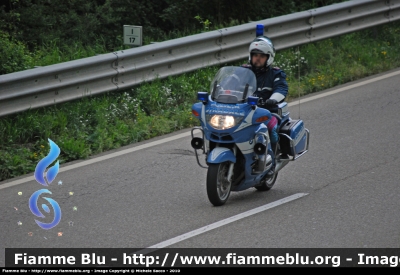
x=271, y=102
x=260, y=102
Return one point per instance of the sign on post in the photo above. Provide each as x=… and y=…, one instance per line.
x=133, y=35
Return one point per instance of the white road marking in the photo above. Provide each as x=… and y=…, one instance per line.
x=219, y=223
x=150, y=144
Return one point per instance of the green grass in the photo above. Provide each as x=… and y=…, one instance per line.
x=92, y=125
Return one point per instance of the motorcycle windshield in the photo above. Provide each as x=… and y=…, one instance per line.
x=233, y=84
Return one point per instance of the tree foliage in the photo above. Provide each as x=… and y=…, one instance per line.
x=34, y=23
x=13, y=55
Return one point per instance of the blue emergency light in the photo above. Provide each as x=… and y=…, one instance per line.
x=259, y=30
x=252, y=100
x=203, y=96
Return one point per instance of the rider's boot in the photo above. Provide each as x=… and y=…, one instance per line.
x=282, y=156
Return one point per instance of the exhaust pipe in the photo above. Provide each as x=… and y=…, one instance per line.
x=280, y=164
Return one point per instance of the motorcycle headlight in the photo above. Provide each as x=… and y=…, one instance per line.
x=222, y=122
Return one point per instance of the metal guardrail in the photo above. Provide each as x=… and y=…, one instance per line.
x=71, y=80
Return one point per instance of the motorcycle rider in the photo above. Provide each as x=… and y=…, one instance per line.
x=272, y=86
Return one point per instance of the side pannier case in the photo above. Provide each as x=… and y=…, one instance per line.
x=294, y=138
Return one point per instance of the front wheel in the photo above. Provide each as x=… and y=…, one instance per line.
x=267, y=184
x=218, y=186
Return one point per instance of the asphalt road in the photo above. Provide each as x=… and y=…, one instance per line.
x=347, y=188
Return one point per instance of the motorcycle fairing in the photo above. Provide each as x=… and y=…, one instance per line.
x=221, y=154
x=226, y=109
x=247, y=146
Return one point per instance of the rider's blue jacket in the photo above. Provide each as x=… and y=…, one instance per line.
x=269, y=81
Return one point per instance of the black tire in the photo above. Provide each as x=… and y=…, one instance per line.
x=218, y=188
x=267, y=184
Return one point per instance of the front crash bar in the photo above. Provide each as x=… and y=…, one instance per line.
x=195, y=150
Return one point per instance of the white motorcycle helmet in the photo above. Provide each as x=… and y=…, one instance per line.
x=262, y=44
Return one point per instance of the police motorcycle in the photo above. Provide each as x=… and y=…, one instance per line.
x=234, y=138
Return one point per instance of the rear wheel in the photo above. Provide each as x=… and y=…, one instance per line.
x=218, y=186
x=267, y=184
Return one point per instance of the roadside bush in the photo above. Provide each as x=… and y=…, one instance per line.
x=13, y=55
